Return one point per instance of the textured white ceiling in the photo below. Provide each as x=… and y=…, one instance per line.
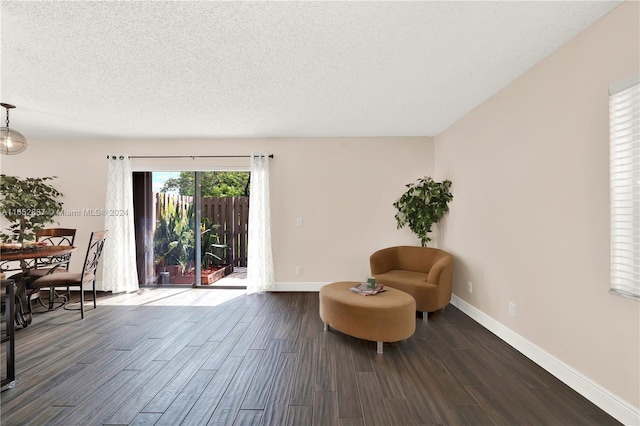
x=268, y=69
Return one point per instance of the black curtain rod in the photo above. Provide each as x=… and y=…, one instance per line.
x=189, y=156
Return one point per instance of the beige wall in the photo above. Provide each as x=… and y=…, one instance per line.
x=529, y=223
x=529, y=220
x=343, y=189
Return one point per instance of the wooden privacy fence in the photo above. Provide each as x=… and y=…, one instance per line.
x=230, y=213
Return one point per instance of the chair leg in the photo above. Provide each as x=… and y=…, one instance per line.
x=81, y=302
x=40, y=301
x=29, y=305
x=63, y=301
x=425, y=316
x=94, y=295
x=52, y=296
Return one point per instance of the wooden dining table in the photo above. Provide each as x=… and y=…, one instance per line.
x=26, y=257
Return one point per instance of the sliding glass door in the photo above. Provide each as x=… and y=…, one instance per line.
x=191, y=226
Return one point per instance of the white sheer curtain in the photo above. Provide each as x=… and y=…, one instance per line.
x=119, y=271
x=260, y=273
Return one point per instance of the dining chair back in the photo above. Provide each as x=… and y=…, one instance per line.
x=54, y=237
x=75, y=279
x=48, y=265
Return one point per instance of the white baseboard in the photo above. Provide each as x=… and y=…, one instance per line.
x=607, y=401
x=298, y=286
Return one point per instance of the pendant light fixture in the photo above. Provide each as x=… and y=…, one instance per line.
x=11, y=141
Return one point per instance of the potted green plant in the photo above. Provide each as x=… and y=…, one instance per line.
x=423, y=204
x=173, y=242
x=29, y=204
x=212, y=252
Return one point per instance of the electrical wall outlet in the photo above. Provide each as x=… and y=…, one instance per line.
x=512, y=309
x=299, y=222
x=469, y=286
x=298, y=270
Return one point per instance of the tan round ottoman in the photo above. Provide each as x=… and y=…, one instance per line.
x=385, y=317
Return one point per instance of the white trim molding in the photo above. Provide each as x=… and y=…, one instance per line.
x=298, y=286
x=607, y=401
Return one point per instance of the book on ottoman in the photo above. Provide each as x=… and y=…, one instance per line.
x=365, y=290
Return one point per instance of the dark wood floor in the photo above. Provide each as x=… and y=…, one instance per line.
x=197, y=357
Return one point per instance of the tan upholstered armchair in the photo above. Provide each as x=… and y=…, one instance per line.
x=425, y=273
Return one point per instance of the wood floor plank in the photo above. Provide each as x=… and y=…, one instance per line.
x=163, y=399
x=258, y=391
x=96, y=409
x=347, y=421
x=243, y=345
x=227, y=409
x=253, y=304
x=325, y=373
x=193, y=356
x=361, y=351
x=128, y=412
x=390, y=379
x=501, y=408
x=228, y=325
x=276, y=407
x=311, y=322
x=475, y=415
x=300, y=415
x=459, y=365
x=443, y=392
x=399, y=412
x=143, y=419
x=163, y=349
x=283, y=330
x=222, y=351
x=185, y=400
x=346, y=383
x=248, y=418
x=91, y=379
x=181, y=336
x=373, y=406
x=203, y=408
x=442, y=377
x=418, y=389
x=85, y=403
x=216, y=321
x=325, y=408
x=303, y=388
x=263, y=338
x=41, y=418
x=36, y=390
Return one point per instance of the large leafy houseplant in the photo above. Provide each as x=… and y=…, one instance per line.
x=212, y=251
x=28, y=204
x=423, y=204
x=174, y=239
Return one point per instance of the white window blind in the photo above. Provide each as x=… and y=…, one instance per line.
x=624, y=157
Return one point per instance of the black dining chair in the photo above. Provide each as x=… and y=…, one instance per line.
x=48, y=265
x=77, y=279
x=54, y=237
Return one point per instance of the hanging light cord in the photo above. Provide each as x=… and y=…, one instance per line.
x=7, y=107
